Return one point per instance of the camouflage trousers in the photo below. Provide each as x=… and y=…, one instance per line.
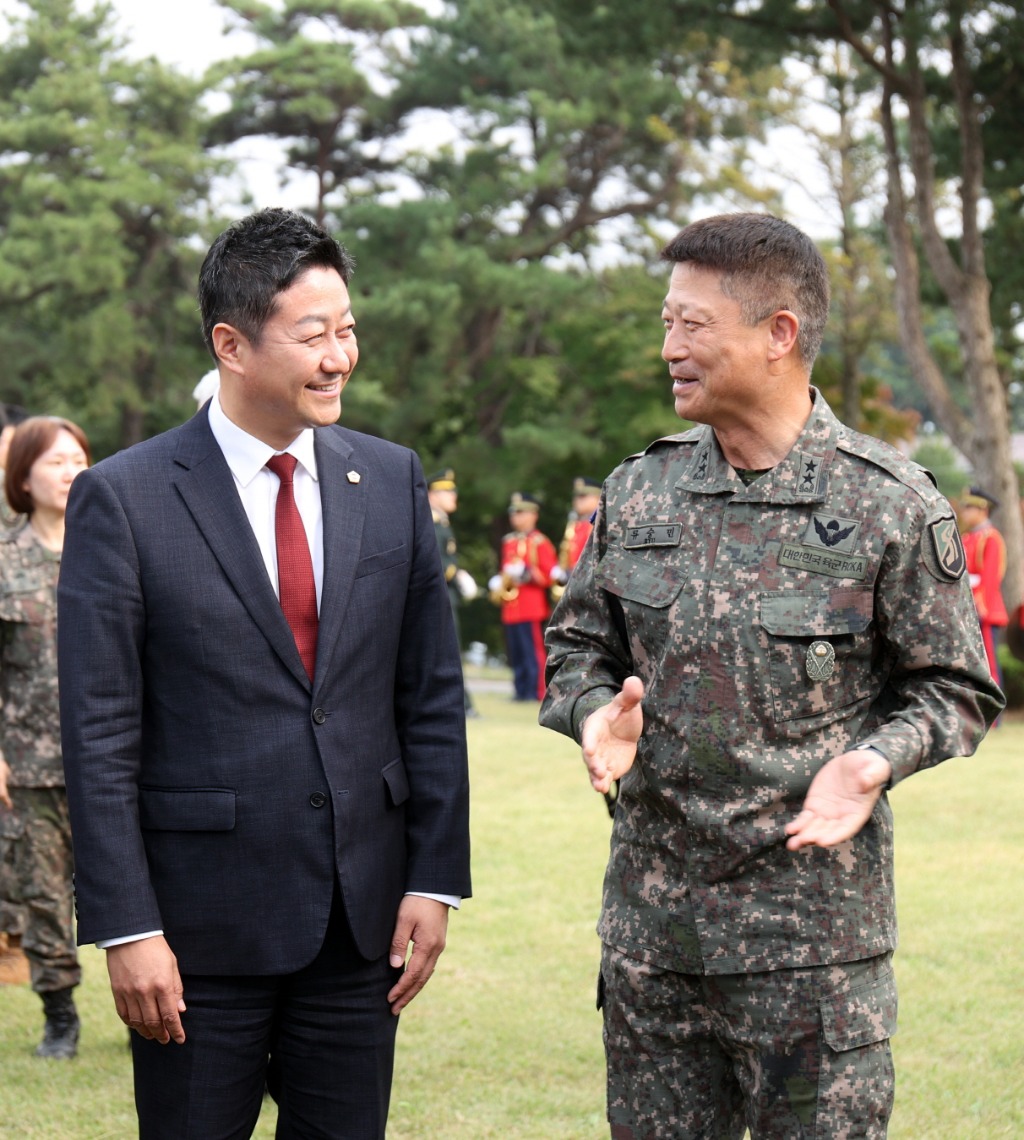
x=37, y=883
x=798, y=1054
x=12, y=914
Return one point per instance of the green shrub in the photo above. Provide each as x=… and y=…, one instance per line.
x=1013, y=678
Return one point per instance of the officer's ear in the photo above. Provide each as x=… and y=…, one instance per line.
x=783, y=328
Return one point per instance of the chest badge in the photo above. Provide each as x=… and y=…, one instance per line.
x=821, y=661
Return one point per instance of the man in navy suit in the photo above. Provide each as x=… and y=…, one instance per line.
x=269, y=826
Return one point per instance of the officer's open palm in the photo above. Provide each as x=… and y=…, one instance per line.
x=610, y=734
x=840, y=800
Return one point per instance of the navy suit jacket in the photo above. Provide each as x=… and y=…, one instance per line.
x=216, y=793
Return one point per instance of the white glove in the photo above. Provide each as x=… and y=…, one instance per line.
x=464, y=583
x=494, y=582
x=515, y=570
x=975, y=580
x=559, y=575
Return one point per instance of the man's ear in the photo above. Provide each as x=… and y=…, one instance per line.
x=230, y=345
x=782, y=331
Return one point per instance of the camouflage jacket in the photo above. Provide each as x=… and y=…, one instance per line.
x=29, y=713
x=774, y=626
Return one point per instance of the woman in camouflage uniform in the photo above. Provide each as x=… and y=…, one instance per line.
x=45, y=456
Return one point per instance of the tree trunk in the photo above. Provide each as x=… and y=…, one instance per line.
x=132, y=426
x=984, y=436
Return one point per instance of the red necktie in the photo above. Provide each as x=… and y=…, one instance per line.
x=294, y=564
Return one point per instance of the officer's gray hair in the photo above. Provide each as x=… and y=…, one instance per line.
x=766, y=265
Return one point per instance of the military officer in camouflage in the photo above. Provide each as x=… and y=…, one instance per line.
x=46, y=455
x=769, y=628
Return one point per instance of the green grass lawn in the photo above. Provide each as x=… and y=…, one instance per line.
x=505, y=1041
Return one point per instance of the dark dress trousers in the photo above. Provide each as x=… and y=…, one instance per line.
x=215, y=792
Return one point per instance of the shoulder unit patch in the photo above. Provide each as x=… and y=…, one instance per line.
x=949, y=550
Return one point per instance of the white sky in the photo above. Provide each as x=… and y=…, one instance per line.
x=190, y=35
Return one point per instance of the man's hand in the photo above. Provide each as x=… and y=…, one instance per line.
x=610, y=734
x=5, y=775
x=840, y=800
x=147, y=988
x=424, y=923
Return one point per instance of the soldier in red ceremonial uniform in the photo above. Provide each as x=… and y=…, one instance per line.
x=586, y=494
x=986, y=564
x=521, y=589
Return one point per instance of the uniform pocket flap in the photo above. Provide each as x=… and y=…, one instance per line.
x=637, y=580
x=817, y=615
x=187, y=809
x=397, y=780
x=865, y=1016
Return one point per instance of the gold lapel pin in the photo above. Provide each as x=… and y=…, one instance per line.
x=354, y=476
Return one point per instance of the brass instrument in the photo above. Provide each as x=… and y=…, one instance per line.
x=564, y=554
x=508, y=590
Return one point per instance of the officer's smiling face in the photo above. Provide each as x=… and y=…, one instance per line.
x=717, y=362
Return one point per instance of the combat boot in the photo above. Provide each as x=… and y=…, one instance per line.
x=60, y=1040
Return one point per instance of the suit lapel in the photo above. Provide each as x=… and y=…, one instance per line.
x=343, y=496
x=205, y=483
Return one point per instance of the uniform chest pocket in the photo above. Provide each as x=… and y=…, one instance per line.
x=28, y=621
x=648, y=581
x=820, y=650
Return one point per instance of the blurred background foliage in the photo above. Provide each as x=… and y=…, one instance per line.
x=505, y=175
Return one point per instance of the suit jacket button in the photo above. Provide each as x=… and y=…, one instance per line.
x=319, y=716
x=318, y=799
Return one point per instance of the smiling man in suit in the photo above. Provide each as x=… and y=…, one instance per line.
x=262, y=717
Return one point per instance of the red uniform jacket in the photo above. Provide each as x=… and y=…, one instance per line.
x=538, y=552
x=986, y=564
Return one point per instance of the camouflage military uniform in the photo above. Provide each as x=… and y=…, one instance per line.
x=37, y=838
x=775, y=626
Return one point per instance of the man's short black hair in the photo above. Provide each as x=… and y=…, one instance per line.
x=256, y=259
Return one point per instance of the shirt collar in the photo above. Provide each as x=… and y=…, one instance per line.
x=246, y=455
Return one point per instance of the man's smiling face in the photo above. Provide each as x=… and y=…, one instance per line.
x=293, y=377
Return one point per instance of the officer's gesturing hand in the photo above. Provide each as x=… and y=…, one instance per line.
x=610, y=734
x=840, y=799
